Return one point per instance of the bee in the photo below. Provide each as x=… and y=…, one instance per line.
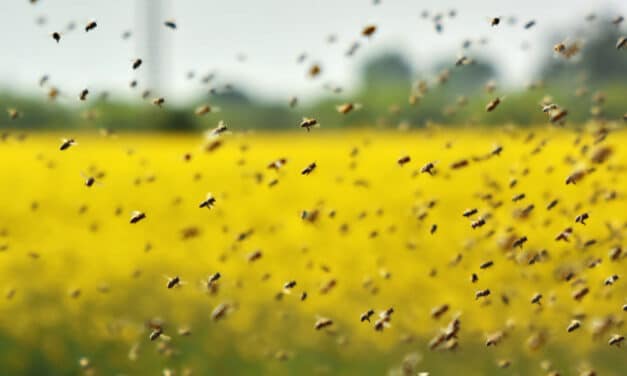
x=221, y=128
x=254, y=256
x=220, y=311
x=580, y=293
x=158, y=101
x=438, y=311
x=369, y=30
x=89, y=181
x=384, y=320
x=581, y=218
x=173, y=282
x=610, y=280
x=616, y=340
x=308, y=123
x=433, y=229
x=56, y=36
x=171, y=24
x=289, y=285
x=494, y=339
x=403, y=160
x=428, y=168
x=495, y=21
x=491, y=106
x=322, y=323
x=482, y=293
x=519, y=242
x=574, y=325
x=575, y=177
x=459, y=164
x=474, y=278
x=530, y=24
x=615, y=253
x=552, y=204
x=83, y=94
x=204, y=109
x=469, y=212
x=536, y=298
x=558, y=115
x=137, y=63
x=486, y=264
x=497, y=150
x=618, y=20
x=137, y=216
x=559, y=48
x=208, y=202
x=564, y=234
x=463, y=60
x=66, y=143
x=293, y=102
x=345, y=108
x=549, y=107
x=314, y=70
x=518, y=197
x=303, y=296
x=13, y=113
x=309, y=169
x=90, y=25
x=277, y=164
x=622, y=43
x=366, y=315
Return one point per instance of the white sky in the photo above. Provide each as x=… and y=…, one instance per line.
x=272, y=33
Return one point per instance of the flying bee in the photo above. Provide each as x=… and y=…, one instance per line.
x=289, y=285
x=530, y=24
x=174, y=282
x=13, y=113
x=622, y=43
x=433, y=229
x=156, y=333
x=90, y=25
x=220, y=311
x=615, y=253
x=308, y=123
x=486, y=264
x=519, y=242
x=137, y=63
x=208, y=202
x=314, y=70
x=574, y=325
x=293, y=102
x=559, y=48
x=171, y=24
x=428, y=168
x=205, y=109
x=56, y=36
x=474, y=278
x=403, y=160
x=618, y=20
x=345, y=108
x=469, y=212
x=495, y=21
x=66, y=143
x=564, y=234
x=366, y=315
x=518, y=197
x=610, y=280
x=558, y=115
x=158, y=101
x=303, y=296
x=438, y=311
x=482, y=293
x=549, y=107
x=309, y=169
x=369, y=30
x=459, y=164
x=616, y=340
x=277, y=164
x=137, y=216
x=497, y=150
x=580, y=293
x=581, y=218
x=536, y=298
x=491, y=106
x=83, y=94
x=213, y=279
x=322, y=323
x=552, y=204
x=575, y=177
x=254, y=256
x=221, y=128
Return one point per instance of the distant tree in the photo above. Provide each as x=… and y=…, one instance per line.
x=389, y=69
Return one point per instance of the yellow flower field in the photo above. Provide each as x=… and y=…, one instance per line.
x=84, y=288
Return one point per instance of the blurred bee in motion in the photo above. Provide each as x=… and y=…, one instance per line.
x=83, y=95
x=66, y=143
x=492, y=105
x=308, y=123
x=366, y=315
x=91, y=25
x=170, y=24
x=254, y=256
x=13, y=113
x=622, y=43
x=581, y=218
x=428, y=168
x=482, y=294
x=369, y=30
x=309, y=169
x=221, y=128
x=137, y=216
x=403, y=160
x=158, y=101
x=322, y=323
x=173, y=282
x=314, y=70
x=208, y=202
x=56, y=36
x=616, y=340
x=345, y=108
x=220, y=311
x=519, y=242
x=495, y=21
x=137, y=63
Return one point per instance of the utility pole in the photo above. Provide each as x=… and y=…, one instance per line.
x=150, y=44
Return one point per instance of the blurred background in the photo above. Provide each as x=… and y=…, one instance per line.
x=249, y=58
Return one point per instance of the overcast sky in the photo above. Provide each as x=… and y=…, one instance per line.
x=271, y=33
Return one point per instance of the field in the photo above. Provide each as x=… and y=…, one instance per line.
x=84, y=288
